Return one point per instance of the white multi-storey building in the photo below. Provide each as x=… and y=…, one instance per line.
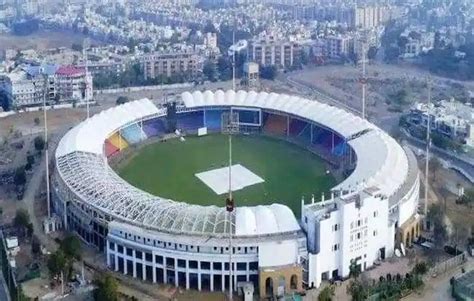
x=26, y=86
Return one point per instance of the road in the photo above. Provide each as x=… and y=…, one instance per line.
x=4, y=295
x=439, y=288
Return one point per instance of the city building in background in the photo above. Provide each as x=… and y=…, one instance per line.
x=270, y=50
x=25, y=86
x=169, y=64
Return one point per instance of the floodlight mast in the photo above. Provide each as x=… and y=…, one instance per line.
x=45, y=116
x=364, y=79
x=428, y=144
x=85, y=46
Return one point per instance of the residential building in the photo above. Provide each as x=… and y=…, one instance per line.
x=452, y=119
x=73, y=84
x=272, y=51
x=338, y=46
x=25, y=86
x=169, y=64
x=364, y=17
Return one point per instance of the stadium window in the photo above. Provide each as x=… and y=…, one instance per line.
x=159, y=259
x=217, y=266
x=148, y=257
x=376, y=213
x=375, y=232
x=205, y=265
x=358, y=235
x=253, y=266
x=119, y=248
x=138, y=254
x=241, y=266
x=358, y=222
x=193, y=264
x=129, y=252
x=111, y=245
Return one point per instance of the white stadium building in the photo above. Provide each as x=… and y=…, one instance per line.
x=160, y=240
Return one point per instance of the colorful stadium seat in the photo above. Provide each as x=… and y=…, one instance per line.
x=118, y=141
x=133, y=134
x=275, y=125
x=190, y=120
x=154, y=127
x=110, y=149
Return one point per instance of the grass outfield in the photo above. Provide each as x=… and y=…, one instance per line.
x=168, y=169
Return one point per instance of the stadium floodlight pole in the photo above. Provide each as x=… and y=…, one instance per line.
x=231, y=281
x=85, y=46
x=363, y=79
x=230, y=206
x=45, y=116
x=233, y=57
x=428, y=144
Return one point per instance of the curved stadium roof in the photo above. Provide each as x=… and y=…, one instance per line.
x=82, y=166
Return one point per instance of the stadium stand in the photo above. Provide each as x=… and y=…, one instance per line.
x=275, y=125
x=305, y=135
x=154, y=127
x=110, y=149
x=297, y=126
x=190, y=120
x=133, y=134
x=213, y=119
x=118, y=141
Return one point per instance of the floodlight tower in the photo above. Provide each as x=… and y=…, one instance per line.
x=45, y=117
x=233, y=57
x=363, y=79
x=428, y=144
x=85, y=46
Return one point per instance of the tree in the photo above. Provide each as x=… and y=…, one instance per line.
x=435, y=166
x=121, y=100
x=30, y=159
x=209, y=70
x=107, y=289
x=19, y=178
x=326, y=293
x=35, y=245
x=420, y=268
x=357, y=290
x=436, y=218
x=71, y=247
x=372, y=53
x=224, y=67
x=4, y=101
x=39, y=143
x=57, y=263
x=22, y=218
x=354, y=269
x=76, y=47
x=268, y=72
x=391, y=54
